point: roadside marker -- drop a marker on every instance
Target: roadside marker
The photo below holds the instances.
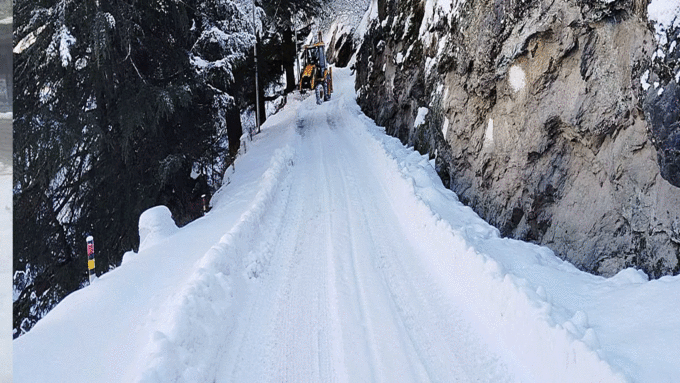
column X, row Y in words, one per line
column 90, row 258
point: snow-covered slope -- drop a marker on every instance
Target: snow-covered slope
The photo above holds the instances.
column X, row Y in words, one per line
column 334, row 253
column 5, row 248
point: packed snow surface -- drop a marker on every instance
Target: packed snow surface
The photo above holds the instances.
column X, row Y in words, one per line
column 5, row 271
column 334, row 253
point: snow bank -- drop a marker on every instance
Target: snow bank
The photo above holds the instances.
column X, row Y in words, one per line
column 155, row 224
column 543, row 347
column 184, row 347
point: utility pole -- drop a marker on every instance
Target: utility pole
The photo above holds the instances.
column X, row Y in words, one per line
column 297, row 56
column 257, row 85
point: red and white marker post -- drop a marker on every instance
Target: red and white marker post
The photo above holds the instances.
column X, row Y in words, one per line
column 90, row 258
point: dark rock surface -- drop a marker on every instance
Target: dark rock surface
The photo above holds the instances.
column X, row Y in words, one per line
column 341, row 47
column 537, row 120
column 662, row 104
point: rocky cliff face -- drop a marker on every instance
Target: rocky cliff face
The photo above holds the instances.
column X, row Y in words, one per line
column 539, row 118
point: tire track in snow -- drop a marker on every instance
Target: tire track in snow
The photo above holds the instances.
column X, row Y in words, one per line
column 393, row 355
column 358, row 292
column 345, row 297
column 289, row 331
column 442, row 338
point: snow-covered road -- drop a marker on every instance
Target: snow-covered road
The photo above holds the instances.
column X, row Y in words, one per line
column 344, row 297
column 334, row 253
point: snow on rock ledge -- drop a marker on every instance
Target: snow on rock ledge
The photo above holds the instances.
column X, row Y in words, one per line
column 575, row 165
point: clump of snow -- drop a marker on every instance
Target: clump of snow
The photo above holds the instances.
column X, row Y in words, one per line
column 81, row 63
column 155, row 224
column 370, row 15
column 488, row 134
column 420, row 117
column 435, row 11
column 445, row 126
column 65, row 42
column 110, row 19
column 643, row 80
column 407, row 25
column 28, row 40
column 517, row 78
column 429, row 65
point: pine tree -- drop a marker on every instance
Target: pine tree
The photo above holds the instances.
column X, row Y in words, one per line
column 283, row 17
column 110, row 118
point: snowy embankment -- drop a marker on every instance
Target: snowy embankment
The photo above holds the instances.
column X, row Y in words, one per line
column 5, row 273
column 333, row 252
column 5, row 247
column 157, row 316
column 558, row 323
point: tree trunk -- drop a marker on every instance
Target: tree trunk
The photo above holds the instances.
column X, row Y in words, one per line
column 234, row 129
column 288, row 51
column 263, row 112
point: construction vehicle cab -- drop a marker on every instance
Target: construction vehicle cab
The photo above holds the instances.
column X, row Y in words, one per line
column 317, row 75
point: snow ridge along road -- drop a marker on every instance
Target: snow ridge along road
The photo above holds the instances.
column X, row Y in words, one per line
column 334, row 254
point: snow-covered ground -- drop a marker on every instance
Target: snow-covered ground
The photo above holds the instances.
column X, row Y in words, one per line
column 334, row 253
column 5, row 250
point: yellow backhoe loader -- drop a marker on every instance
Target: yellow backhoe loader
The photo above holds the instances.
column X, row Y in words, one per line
column 317, row 74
